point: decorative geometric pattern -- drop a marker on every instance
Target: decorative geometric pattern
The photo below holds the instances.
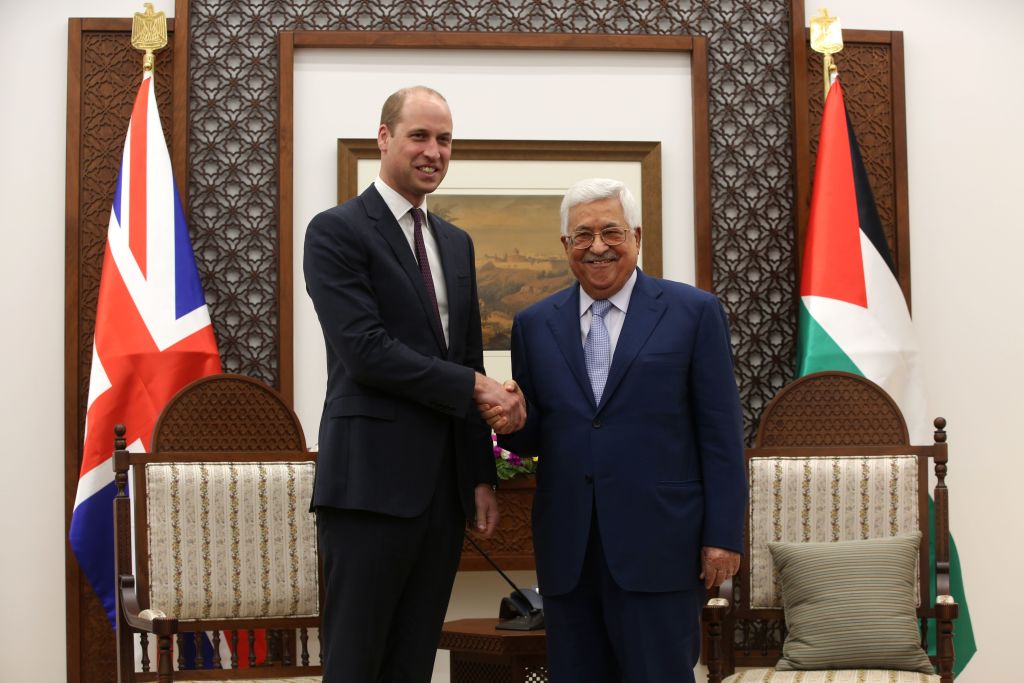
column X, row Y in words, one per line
column 225, row 413
column 233, row 147
column 837, row 410
column 231, row 540
column 535, row 674
column 511, row 546
column 468, row 671
column 492, row 644
column 763, row 636
column 488, row 672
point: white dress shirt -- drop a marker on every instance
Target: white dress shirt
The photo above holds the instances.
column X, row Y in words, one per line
column 615, row 316
column 401, row 208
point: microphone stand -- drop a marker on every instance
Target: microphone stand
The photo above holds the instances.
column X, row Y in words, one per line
column 522, row 610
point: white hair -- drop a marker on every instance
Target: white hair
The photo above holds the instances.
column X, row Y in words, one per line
column 596, row 189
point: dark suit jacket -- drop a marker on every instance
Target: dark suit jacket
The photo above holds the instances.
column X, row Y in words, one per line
column 394, row 402
column 661, row 458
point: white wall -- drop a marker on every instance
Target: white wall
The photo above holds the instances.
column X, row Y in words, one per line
column 32, row 126
column 967, row 233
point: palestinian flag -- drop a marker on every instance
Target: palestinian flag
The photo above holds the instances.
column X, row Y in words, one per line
column 853, row 316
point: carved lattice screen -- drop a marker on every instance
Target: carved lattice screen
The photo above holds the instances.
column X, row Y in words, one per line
column 233, row 127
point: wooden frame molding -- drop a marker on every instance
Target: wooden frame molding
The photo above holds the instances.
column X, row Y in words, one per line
column 289, row 41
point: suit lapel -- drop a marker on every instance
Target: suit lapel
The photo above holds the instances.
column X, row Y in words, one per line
column 384, row 221
column 645, row 310
column 565, row 327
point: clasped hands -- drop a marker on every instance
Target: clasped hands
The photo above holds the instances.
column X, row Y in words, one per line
column 502, row 406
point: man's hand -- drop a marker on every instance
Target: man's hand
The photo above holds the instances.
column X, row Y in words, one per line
column 486, row 510
column 717, row 565
column 503, row 407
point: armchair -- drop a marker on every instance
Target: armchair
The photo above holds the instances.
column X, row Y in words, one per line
column 223, row 541
column 834, row 585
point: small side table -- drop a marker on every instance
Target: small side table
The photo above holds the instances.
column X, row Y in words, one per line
column 482, row 654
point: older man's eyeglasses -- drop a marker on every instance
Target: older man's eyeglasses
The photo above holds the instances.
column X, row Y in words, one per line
column 612, row 237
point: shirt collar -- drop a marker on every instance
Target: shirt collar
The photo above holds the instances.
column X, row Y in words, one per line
column 619, row 299
column 398, row 204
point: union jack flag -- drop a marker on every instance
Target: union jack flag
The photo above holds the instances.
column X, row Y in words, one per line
column 153, row 334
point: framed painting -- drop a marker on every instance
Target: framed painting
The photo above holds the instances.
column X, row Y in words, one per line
column 507, row 194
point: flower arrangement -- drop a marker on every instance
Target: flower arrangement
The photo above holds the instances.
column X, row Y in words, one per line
column 510, row 465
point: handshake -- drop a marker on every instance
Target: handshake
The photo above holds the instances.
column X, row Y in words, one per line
column 502, row 406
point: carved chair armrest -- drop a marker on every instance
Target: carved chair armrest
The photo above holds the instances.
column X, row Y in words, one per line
column 946, row 607
column 149, row 620
column 718, row 634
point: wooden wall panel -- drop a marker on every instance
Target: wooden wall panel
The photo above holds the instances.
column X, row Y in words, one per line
column 104, row 72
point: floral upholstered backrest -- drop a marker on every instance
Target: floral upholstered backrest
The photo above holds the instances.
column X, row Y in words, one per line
column 825, row 499
column 231, row 540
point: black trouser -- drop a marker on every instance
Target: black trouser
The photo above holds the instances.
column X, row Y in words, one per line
column 387, row 581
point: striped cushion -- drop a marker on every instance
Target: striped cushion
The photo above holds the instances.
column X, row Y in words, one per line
column 840, row 676
column 819, row 499
column 851, row 604
column 231, row 540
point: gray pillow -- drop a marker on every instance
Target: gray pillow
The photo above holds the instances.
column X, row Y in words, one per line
column 851, row 604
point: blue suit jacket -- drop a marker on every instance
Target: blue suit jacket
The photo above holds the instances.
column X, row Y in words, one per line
column 396, row 400
column 660, row 459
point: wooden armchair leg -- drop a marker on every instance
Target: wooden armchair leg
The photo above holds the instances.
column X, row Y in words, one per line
column 716, row 622
column 164, row 664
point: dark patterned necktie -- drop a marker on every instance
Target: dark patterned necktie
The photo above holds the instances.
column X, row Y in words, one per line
column 421, row 256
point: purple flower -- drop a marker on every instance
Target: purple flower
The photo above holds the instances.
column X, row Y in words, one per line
column 510, row 465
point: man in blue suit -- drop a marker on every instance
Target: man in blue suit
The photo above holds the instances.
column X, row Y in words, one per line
column 633, row 409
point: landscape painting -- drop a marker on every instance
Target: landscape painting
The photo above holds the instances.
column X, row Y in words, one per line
column 519, row 257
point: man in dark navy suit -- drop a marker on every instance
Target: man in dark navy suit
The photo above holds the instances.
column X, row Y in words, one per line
column 405, row 458
column 634, row 412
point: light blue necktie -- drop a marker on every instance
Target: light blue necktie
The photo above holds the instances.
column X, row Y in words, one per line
column 597, row 351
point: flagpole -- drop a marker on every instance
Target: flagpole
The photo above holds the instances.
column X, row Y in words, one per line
column 149, row 33
column 827, row 38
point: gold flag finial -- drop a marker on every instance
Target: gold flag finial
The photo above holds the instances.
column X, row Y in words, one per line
column 826, row 38
column 149, row 33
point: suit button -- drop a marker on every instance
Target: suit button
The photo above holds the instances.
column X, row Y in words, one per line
column 589, row 478
column 596, row 424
